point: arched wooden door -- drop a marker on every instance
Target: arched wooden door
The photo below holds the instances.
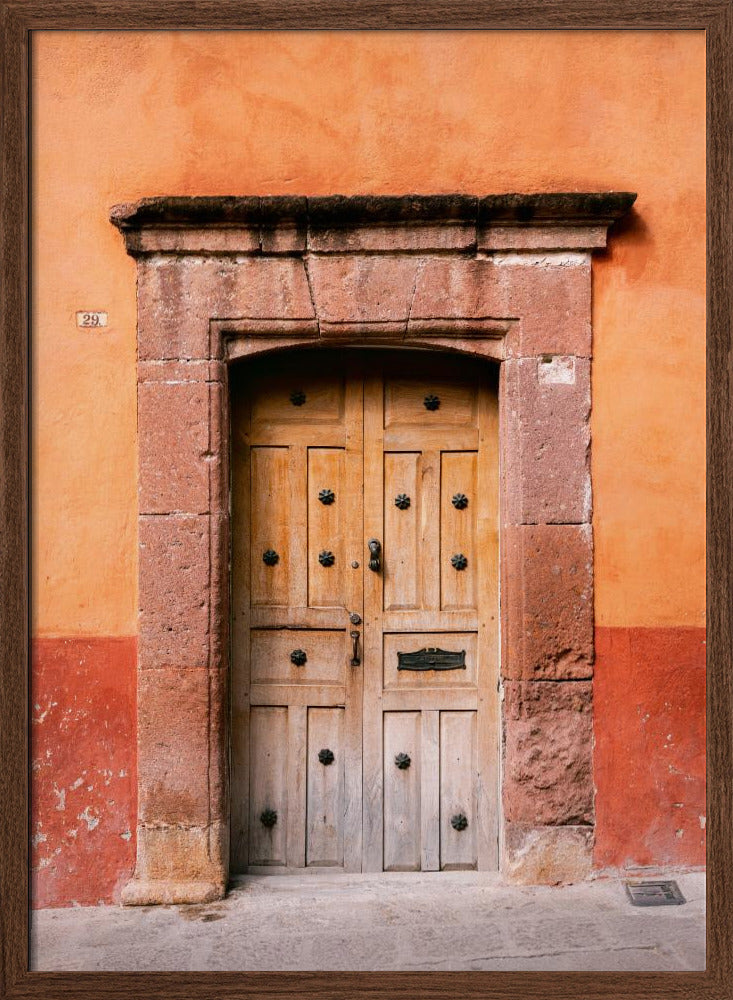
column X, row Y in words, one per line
column 365, row 612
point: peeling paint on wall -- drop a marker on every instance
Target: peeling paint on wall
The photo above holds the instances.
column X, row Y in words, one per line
column 649, row 761
column 83, row 756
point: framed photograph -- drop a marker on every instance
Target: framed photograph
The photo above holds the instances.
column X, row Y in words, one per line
column 366, row 491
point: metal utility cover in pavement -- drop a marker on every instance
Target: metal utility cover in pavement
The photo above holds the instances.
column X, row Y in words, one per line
column 654, row 894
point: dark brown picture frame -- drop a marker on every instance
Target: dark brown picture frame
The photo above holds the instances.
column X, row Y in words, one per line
column 19, row 19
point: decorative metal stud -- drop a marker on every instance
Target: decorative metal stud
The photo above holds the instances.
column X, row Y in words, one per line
column 326, row 558
column 297, row 397
column 298, row 657
column 402, row 760
column 270, row 557
column 268, row 818
column 459, row 561
column 459, row 822
column 402, row 501
column 460, row 501
column 431, row 402
column 327, row 497
column 326, row 757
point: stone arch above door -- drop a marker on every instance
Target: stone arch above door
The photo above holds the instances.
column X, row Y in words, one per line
column 504, row 276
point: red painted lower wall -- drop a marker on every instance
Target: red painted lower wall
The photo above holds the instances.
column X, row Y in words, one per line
column 649, row 720
column 83, row 752
column 649, row 760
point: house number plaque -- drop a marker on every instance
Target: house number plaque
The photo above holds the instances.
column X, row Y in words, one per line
column 432, row 659
column 90, row 318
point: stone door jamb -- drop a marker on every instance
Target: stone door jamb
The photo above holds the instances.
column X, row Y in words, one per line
column 505, row 277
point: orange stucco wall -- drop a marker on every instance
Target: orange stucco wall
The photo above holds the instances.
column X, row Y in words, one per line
column 119, row 116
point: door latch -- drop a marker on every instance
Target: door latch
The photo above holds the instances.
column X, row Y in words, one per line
column 355, row 661
column 375, row 551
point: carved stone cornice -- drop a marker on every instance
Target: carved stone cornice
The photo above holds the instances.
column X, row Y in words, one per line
column 290, row 224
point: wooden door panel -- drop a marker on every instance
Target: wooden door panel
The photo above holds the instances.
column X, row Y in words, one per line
column 402, row 827
column 327, row 544
column 402, row 438
column 430, row 553
column 458, row 530
column 430, row 620
column 408, row 642
column 270, row 519
column 402, row 539
column 433, row 699
column 268, row 787
column 325, row 802
column 298, row 657
column 305, row 392
column 428, row 567
column 410, row 401
column 430, row 792
column 458, row 764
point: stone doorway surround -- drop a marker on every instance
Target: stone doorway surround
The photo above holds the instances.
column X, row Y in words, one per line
column 504, row 277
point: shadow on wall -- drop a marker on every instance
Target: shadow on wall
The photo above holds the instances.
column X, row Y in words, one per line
column 629, row 248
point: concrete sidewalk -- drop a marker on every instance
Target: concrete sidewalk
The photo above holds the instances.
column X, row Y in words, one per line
column 423, row 921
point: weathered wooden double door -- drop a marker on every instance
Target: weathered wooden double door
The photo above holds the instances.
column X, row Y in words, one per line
column 365, row 613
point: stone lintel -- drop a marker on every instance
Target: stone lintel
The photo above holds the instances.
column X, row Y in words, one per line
column 368, row 223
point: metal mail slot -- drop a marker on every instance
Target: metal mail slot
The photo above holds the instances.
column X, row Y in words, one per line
column 432, row 659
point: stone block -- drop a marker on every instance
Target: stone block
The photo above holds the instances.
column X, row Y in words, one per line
column 265, row 288
column 548, row 611
column 283, row 224
column 547, row 237
column 455, row 236
column 352, row 330
column 546, row 449
column 548, row 758
column 550, row 293
column 175, row 297
column 181, row 448
column 424, row 336
column 182, row 591
column 550, row 855
column 170, row 892
column 178, row 296
column 181, row 371
column 182, row 854
column 462, row 288
column 193, row 240
column 180, row 772
column 246, row 345
column 363, row 290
